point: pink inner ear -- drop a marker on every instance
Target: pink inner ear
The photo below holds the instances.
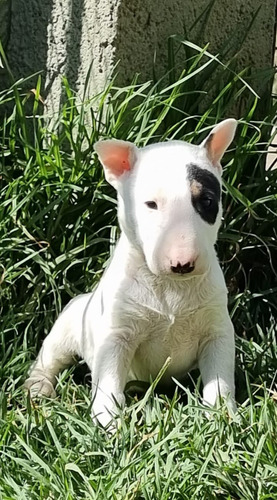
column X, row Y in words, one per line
column 219, row 142
column 219, row 139
column 118, row 163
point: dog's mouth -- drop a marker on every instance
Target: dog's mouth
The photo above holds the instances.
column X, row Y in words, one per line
column 178, row 270
column 181, row 275
column 186, row 276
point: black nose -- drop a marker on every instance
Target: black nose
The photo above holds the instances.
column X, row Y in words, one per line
column 183, row 268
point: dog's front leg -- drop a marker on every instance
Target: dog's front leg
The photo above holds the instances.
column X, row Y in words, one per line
column 111, row 365
column 217, row 366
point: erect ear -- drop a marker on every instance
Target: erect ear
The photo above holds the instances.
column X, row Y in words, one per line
column 117, row 158
column 219, row 139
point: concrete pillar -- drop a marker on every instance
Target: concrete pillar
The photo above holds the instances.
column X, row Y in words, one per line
column 64, row 37
column 5, row 21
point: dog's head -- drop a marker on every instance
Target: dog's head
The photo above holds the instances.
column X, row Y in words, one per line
column 169, row 198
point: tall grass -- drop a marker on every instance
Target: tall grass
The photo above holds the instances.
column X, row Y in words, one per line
column 58, row 227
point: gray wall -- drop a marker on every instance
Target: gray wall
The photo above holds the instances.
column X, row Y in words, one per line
column 63, row 37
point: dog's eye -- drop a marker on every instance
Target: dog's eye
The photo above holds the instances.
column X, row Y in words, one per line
column 206, row 201
column 151, row 204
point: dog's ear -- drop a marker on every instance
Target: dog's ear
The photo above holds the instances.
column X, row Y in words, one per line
column 117, row 158
column 219, row 139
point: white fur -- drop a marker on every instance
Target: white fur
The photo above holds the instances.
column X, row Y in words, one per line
column 142, row 313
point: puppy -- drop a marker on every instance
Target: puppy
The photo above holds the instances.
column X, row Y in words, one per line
column 163, row 293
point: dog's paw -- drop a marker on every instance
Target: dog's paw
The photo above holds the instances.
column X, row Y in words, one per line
column 105, row 420
column 41, row 387
column 221, row 402
column 105, row 410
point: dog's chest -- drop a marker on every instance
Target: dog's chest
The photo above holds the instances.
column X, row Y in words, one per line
column 170, row 320
column 167, row 303
column 165, row 336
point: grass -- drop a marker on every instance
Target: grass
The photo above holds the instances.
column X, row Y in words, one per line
column 164, row 450
column 58, row 226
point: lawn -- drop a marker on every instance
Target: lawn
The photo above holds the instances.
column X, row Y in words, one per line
column 58, row 227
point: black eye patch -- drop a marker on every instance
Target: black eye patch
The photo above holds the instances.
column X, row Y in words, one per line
column 205, row 192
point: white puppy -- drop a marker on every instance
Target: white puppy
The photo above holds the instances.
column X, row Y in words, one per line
column 163, row 294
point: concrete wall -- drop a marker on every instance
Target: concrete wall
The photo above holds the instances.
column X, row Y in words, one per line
column 63, row 37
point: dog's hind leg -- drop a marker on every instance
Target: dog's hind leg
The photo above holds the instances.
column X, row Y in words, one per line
column 58, row 349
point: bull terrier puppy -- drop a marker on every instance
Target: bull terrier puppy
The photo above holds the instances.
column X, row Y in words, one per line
column 163, row 293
